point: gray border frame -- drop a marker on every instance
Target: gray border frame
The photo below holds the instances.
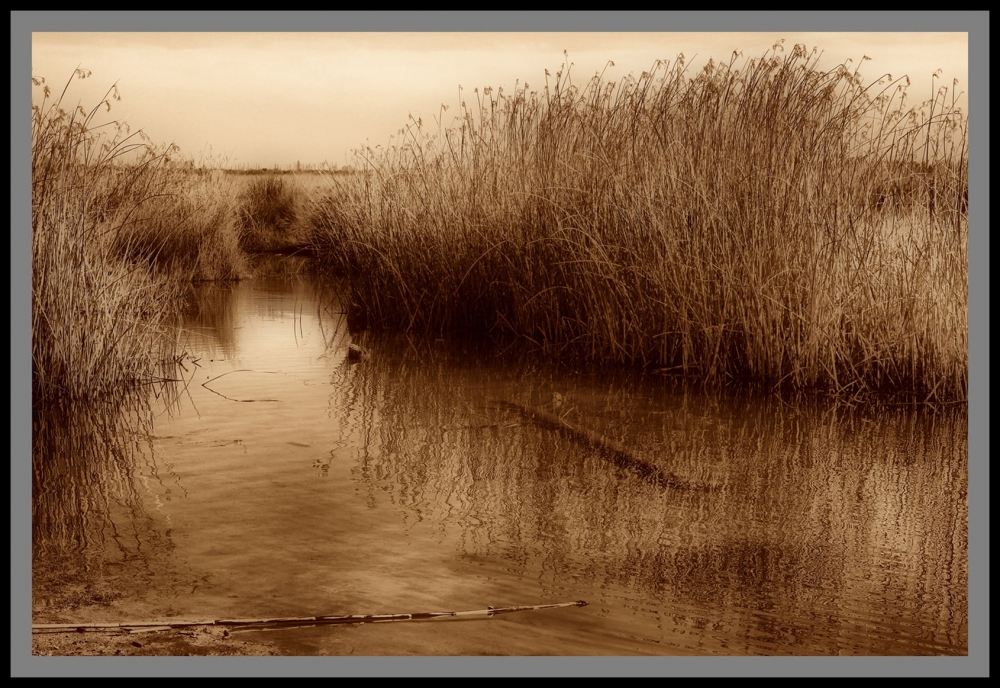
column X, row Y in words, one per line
column 976, row 24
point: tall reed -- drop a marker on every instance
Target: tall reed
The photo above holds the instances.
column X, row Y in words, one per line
column 769, row 221
column 188, row 229
column 95, row 310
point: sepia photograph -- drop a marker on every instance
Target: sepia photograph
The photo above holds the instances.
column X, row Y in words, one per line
column 498, row 343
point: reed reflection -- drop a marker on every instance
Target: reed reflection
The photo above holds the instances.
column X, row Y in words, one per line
column 227, row 320
column 100, row 511
column 210, row 319
column 805, row 528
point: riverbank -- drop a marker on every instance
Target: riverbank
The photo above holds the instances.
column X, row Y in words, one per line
column 200, row 641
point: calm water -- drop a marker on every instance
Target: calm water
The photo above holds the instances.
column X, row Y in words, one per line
column 285, row 480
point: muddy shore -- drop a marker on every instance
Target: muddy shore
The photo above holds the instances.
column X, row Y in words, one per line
column 197, row 641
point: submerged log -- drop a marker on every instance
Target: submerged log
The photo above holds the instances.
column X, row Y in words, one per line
column 610, row 449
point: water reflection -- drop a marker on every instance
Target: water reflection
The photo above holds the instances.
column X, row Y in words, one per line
column 211, row 318
column 229, row 321
column 101, row 525
column 823, row 528
column 433, row 475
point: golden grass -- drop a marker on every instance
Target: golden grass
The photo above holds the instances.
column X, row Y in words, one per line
column 189, row 230
column 116, row 227
column 768, row 222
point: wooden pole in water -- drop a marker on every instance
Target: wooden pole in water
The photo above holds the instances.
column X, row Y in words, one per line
column 290, row 622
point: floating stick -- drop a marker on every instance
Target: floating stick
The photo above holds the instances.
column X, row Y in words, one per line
column 290, row 622
column 241, row 370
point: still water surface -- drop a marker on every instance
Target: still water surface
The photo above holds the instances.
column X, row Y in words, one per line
column 287, row 480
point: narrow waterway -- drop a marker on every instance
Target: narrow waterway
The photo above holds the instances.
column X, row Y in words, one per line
column 284, row 478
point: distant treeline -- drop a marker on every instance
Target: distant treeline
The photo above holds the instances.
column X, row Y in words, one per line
column 297, row 168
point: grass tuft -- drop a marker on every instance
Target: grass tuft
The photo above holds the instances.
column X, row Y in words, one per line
column 266, row 214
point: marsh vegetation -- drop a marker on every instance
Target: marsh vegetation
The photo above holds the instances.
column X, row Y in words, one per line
column 551, row 295
column 761, row 221
column 119, row 227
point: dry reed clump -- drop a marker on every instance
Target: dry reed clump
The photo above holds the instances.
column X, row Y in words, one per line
column 770, row 222
column 267, row 214
column 96, row 309
column 190, row 232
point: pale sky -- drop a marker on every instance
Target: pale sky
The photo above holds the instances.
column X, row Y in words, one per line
column 267, row 98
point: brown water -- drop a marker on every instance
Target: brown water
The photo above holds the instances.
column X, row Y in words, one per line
column 286, row 480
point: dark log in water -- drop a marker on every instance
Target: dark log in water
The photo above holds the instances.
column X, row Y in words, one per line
column 618, row 454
